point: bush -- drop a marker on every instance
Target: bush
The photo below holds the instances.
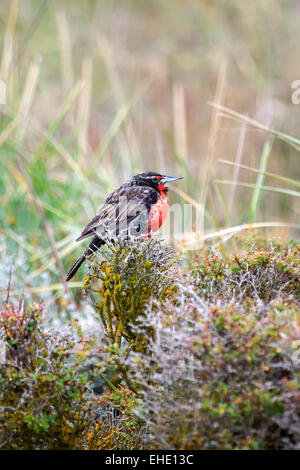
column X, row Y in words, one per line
column 221, row 378
column 261, row 270
column 46, row 390
column 201, row 355
column 218, row 370
column 120, row 288
column 43, row 401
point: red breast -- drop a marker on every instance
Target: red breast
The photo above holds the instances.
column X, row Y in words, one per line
column 159, row 211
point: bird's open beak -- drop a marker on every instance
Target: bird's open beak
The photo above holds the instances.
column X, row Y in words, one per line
column 169, row 179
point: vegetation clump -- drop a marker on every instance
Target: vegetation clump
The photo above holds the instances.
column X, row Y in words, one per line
column 43, row 401
column 261, row 270
column 220, row 369
column 46, row 393
column 121, row 287
column 221, row 378
column 202, row 354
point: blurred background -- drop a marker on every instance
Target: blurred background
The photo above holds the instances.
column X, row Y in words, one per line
column 98, row 90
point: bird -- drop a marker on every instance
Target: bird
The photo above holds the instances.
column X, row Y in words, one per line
column 137, row 208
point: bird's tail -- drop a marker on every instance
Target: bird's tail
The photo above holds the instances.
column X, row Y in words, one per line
column 92, row 247
column 75, row 267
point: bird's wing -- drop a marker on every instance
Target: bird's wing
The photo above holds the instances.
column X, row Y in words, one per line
column 125, row 209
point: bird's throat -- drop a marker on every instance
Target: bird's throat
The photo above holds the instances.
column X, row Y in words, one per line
column 161, row 187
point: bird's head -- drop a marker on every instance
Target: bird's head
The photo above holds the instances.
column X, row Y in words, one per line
column 155, row 180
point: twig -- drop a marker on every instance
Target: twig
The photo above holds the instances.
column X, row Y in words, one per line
column 8, row 286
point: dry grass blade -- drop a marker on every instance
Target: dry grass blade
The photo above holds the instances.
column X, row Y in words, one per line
column 185, row 196
column 7, row 55
column 22, row 243
column 288, row 192
column 50, row 261
column 41, row 289
column 60, row 149
column 59, row 245
column 63, row 111
column 84, row 109
column 190, row 200
column 283, row 179
column 239, row 228
column 129, row 139
column 27, row 97
column 179, row 120
column 236, row 229
column 9, row 129
column 23, row 183
column 229, row 113
column 223, row 203
column 213, row 132
column 115, row 127
column 109, row 136
column 65, row 51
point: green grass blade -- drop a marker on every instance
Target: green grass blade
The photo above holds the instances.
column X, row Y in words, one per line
column 226, row 213
column 260, row 179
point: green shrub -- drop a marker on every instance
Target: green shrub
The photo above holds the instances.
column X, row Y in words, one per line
column 220, row 378
column 46, row 390
column 260, row 270
column 43, row 398
column 121, row 287
column 218, row 370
